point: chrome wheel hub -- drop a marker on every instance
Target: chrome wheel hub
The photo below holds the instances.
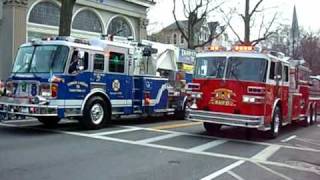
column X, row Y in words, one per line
column 309, row 119
column 314, row 117
column 97, row 114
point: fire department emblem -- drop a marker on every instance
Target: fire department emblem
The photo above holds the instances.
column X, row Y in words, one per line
column 116, row 85
column 223, row 97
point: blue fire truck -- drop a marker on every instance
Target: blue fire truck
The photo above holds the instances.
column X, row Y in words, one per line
column 93, row 81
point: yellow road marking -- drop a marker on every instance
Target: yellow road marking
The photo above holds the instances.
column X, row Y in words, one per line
column 172, row 126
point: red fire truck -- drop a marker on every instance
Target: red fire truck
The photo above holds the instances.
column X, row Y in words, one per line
column 248, row 89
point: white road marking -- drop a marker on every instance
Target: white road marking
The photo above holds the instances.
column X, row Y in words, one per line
column 236, row 176
column 318, row 125
column 266, row 153
column 132, row 128
column 274, row 172
column 308, row 141
column 210, row 154
column 223, row 170
column 116, row 132
column 21, row 120
column 208, row 145
column 311, row 140
column 288, row 139
column 32, row 120
column 159, row 138
column 15, row 125
column 232, row 140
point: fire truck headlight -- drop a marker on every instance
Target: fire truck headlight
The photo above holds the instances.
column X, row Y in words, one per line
column 45, row 94
column 196, row 95
column 253, row 99
column 40, row 100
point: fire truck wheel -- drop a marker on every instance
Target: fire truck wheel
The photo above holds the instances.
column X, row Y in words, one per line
column 309, row 119
column 95, row 113
column 181, row 114
column 276, row 124
column 211, row 127
column 315, row 115
column 49, row 121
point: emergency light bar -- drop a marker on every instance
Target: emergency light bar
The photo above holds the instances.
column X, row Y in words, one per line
column 243, row 48
column 215, row 48
column 66, row 38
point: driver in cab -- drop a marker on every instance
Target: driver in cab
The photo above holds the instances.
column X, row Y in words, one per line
column 75, row 62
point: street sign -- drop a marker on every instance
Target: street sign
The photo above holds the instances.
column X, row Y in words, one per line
column 186, row 56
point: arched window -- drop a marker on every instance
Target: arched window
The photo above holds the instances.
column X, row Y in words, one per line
column 181, row 39
column 47, row 13
column 174, row 38
column 87, row 20
column 119, row 26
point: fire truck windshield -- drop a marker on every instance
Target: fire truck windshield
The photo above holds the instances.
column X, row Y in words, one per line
column 238, row 68
column 247, row 69
column 210, row 67
column 41, row 59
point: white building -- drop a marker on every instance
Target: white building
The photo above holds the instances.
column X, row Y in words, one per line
column 23, row 20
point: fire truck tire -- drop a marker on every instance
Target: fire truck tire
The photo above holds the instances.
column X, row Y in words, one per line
column 181, row 114
column 95, row 113
column 275, row 124
column 211, row 127
column 49, row 121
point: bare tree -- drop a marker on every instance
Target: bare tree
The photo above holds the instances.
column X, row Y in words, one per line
column 66, row 17
column 196, row 15
column 280, row 40
column 249, row 21
column 310, row 51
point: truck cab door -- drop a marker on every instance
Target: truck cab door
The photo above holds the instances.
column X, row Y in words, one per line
column 279, row 79
column 98, row 76
column 119, row 81
column 77, row 83
column 285, row 94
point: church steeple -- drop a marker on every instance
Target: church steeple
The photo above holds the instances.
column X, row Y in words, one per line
column 294, row 33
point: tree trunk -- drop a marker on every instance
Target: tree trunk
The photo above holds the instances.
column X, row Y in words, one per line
column 246, row 20
column 66, row 17
column 190, row 33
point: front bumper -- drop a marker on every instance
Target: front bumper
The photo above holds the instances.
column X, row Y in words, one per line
column 228, row 119
column 22, row 106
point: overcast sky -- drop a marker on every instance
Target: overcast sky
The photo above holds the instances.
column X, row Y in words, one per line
column 308, row 13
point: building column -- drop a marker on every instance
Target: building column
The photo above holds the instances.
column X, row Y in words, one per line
column 143, row 28
column 13, row 29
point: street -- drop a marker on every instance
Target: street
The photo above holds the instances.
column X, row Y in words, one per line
column 155, row 149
